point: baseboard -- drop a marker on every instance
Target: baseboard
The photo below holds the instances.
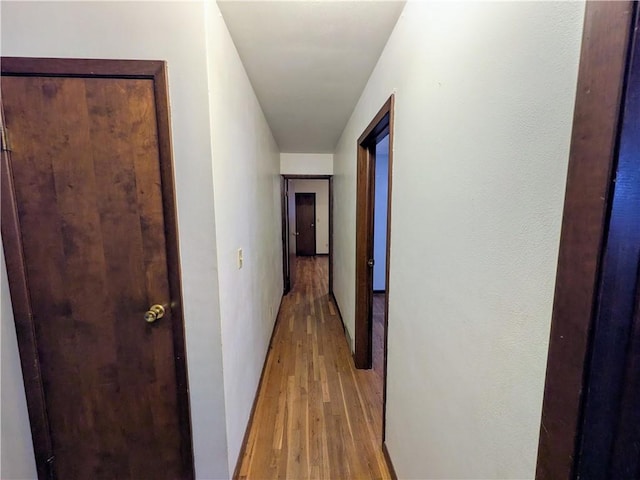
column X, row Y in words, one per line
column 245, row 439
column 344, row 328
column 387, row 457
column 379, row 291
column 322, row 254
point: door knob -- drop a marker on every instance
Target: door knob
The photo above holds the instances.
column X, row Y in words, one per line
column 154, row 313
column 370, row 262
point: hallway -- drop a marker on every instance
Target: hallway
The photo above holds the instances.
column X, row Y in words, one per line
column 488, row 107
column 316, row 416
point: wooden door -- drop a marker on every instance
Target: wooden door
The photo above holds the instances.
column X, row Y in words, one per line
column 305, row 224
column 89, row 231
column 291, row 252
column 288, row 237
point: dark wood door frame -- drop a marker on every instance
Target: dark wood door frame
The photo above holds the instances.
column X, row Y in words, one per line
column 284, row 204
column 18, row 281
column 286, row 228
column 610, row 424
column 378, row 128
column 300, row 195
column 592, row 162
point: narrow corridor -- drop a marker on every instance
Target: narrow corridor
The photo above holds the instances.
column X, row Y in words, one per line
column 316, row 416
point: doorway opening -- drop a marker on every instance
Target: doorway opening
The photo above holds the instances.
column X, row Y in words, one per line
column 373, row 237
column 380, row 232
column 307, row 227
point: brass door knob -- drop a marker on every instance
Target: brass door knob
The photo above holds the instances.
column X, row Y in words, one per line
column 154, row 313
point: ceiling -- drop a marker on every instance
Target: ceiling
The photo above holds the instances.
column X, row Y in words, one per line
column 308, row 62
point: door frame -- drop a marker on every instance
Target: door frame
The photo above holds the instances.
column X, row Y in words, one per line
column 16, row 272
column 592, row 160
column 380, row 125
column 286, row 228
column 315, row 236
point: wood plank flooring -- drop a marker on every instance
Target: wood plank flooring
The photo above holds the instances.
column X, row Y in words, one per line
column 316, row 415
column 378, row 336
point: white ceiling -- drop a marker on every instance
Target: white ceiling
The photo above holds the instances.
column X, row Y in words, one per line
column 309, row 61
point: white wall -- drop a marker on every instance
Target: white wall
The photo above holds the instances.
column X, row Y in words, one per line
column 16, row 449
column 484, row 102
column 172, row 31
column 306, row 163
column 321, row 189
column 246, row 177
column 380, row 215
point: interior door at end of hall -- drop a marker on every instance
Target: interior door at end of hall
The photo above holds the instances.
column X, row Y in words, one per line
column 85, row 170
column 291, row 231
column 305, row 224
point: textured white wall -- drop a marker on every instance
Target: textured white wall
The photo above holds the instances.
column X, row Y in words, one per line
column 172, row 31
column 321, row 189
column 246, row 177
column 306, row 163
column 484, row 103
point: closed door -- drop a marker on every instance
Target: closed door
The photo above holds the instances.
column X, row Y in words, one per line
column 305, row 223
column 90, row 173
column 289, row 235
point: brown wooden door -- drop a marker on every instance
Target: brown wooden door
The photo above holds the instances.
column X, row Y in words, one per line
column 291, row 235
column 92, row 183
column 305, row 223
column 288, row 237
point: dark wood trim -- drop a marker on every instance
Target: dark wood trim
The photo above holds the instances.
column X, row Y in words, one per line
column 23, row 318
column 376, row 128
column 285, row 222
column 387, row 457
column 603, row 60
column 167, row 178
column 380, row 126
column 307, row 177
column 331, row 235
column 377, row 292
column 284, row 191
column 72, row 67
column 156, row 71
column 388, row 261
column 604, row 411
column 245, row 439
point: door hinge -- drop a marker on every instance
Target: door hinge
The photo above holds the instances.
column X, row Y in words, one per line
column 4, row 138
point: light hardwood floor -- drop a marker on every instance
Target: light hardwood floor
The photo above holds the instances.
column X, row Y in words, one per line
column 377, row 341
column 316, row 415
